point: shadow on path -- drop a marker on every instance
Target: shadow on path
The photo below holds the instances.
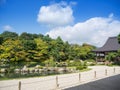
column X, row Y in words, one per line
column 109, row 83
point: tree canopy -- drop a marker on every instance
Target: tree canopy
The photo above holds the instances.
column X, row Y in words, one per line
column 28, row 47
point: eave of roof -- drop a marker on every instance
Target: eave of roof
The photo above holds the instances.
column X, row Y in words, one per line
column 110, row 45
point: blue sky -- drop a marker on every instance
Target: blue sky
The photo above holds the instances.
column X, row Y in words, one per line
column 55, row 17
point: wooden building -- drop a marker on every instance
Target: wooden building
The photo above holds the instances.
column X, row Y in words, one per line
column 111, row 45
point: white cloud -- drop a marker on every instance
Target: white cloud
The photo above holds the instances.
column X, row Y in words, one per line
column 94, row 31
column 7, row 28
column 57, row 14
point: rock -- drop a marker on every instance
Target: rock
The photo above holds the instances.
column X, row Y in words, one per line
column 36, row 70
column 37, row 66
column 3, row 70
column 24, row 68
column 17, row 70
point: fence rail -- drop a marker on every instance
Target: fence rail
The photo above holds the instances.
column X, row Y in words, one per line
column 57, row 82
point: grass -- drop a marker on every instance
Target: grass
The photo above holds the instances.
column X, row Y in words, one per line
column 87, row 69
column 100, row 65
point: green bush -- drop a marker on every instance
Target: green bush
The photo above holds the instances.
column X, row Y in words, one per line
column 79, row 68
column 50, row 63
column 81, row 65
column 73, row 63
column 90, row 62
column 40, row 67
column 32, row 64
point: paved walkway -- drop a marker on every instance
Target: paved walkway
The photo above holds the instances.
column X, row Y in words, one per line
column 64, row 81
column 109, row 83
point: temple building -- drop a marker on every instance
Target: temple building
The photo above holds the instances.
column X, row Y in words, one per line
column 111, row 45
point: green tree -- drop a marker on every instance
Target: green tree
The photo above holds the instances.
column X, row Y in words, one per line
column 11, row 53
column 9, row 35
column 29, row 45
column 1, row 40
column 111, row 56
column 46, row 38
column 41, row 50
column 28, row 36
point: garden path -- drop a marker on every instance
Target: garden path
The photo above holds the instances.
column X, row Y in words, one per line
column 64, row 81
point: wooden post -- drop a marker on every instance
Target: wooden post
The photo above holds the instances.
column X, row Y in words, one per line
column 114, row 70
column 94, row 74
column 79, row 77
column 57, row 85
column 19, row 85
column 105, row 72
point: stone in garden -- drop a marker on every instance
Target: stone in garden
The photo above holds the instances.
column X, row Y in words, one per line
column 17, row 70
column 37, row 66
column 3, row 70
column 25, row 67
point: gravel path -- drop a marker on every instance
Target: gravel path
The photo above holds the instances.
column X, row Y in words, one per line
column 64, row 81
column 109, row 83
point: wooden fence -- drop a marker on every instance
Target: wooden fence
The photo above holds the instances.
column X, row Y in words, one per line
column 60, row 81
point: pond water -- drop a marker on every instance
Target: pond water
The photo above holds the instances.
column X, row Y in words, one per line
column 33, row 73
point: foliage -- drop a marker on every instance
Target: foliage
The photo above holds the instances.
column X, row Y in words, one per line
column 25, row 48
column 50, row 62
column 9, row 35
column 1, row 40
column 111, row 56
column 81, row 66
column 90, row 62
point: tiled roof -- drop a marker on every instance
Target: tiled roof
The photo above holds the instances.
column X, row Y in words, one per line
column 110, row 45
